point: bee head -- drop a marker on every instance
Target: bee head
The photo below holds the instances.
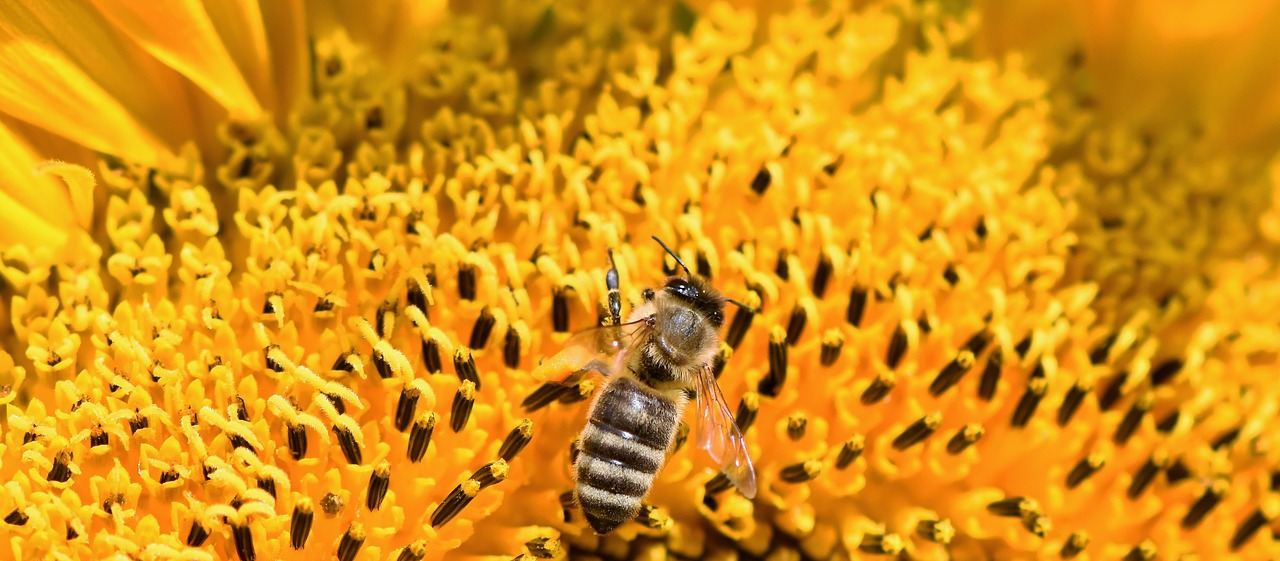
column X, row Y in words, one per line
column 699, row 294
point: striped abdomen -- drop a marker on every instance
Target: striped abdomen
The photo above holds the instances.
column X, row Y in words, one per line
column 622, row 448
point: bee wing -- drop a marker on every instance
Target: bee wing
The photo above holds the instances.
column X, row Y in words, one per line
column 718, row 434
column 601, row 349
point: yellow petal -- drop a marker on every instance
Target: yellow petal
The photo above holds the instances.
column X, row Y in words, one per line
column 289, row 52
column 80, row 184
column 244, row 35
column 33, row 209
column 180, row 34
column 65, row 66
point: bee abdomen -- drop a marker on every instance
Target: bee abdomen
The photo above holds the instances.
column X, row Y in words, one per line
column 610, row 475
column 622, row 448
column 605, row 510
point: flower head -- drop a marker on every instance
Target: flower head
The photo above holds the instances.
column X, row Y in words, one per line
column 979, row 318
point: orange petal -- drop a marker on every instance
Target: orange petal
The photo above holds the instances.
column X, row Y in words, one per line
column 180, row 34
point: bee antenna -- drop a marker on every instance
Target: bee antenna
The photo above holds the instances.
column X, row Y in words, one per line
column 674, row 256
column 739, row 304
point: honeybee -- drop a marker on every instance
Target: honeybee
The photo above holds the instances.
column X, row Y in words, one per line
column 663, row 351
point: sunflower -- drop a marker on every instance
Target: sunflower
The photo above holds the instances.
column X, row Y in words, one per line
column 278, row 278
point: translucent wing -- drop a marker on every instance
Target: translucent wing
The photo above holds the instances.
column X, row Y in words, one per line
column 600, row 349
column 718, row 434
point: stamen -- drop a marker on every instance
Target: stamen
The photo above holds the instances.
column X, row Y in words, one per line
column 168, row 475
column 406, row 407
column 1169, row 422
column 1071, row 403
column 458, row 499
column 137, row 423
column 1146, row 474
column 771, row 385
column 579, row 392
column 350, row 448
column 297, row 440
column 936, row 531
column 1133, row 418
column 781, row 267
column 897, row 347
column 567, row 504
column 760, row 183
column 747, row 410
column 1026, row 408
column 1074, row 545
column 460, row 413
column 466, row 282
column 718, row 484
column 1084, row 469
column 1145, row 551
column 858, row 298
column 338, row 405
column 653, row 518
column 464, row 364
column 482, row 328
column 511, row 349
column 543, row 548
column 543, row 396
column 918, row 431
column 61, row 470
column 1212, row 495
column 964, row 438
column 516, row 440
column 991, row 375
column 379, row 481
column 385, row 319
column 1165, row 371
column 1227, row 438
column 271, row 363
column 796, row 426
column 1023, row 346
column 952, row 373
column 741, row 323
column 832, row 343
column 951, row 275
column 882, row 544
column 195, row 536
column 1037, row 524
column 420, row 436
column 266, row 483
column 801, row 472
column 416, row 551
column 879, row 388
column 1114, row 390
column 1014, row 507
column 1246, row 530
column 351, row 542
column 331, row 504
column 345, row 362
column 243, row 538
column 850, row 451
column 721, row 359
column 682, row 436
column 1099, row 353
column 560, row 309
column 381, row 365
column 431, row 356
column 98, row 437
column 795, row 326
column 1177, row 471
column 822, row 275
column 16, row 518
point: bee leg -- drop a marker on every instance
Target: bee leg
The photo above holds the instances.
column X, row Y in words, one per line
column 615, row 298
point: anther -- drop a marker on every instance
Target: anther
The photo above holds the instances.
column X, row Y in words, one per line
column 1169, row 422
column 168, row 476
column 832, row 343
column 195, row 536
column 760, row 183
column 1226, row 438
column 379, row 481
column 482, row 328
column 350, row 448
column 1030, row 400
column 1114, row 391
column 1084, row 469
column 271, row 364
column 718, row 484
column 431, row 356
column 801, row 472
column 16, row 518
column 850, row 451
column 822, row 275
column 795, row 325
column 238, row 441
column 857, row 305
column 721, row 360
column 951, row 275
column 1038, row 524
column 882, row 544
column 1023, row 347
column 653, row 517
column 1145, row 475
column 381, row 365
column 458, row 499
column 1145, row 551
column 738, row 327
column 682, row 436
column 543, row 548
column 1014, row 507
column 416, row 551
column 1165, row 371
column 897, row 347
column 331, row 504
column 1129, row 425
column 139, row 422
column 344, row 363
column 544, row 395
column 338, row 404
column 464, row 364
column 936, row 531
column 1071, row 402
column 467, row 282
column 420, row 436
column 511, row 349
column 781, row 267
column 1074, row 545
column 243, row 538
column 1099, row 353
column 351, row 542
column 1247, row 528
column 385, row 320
column 1212, row 495
column 406, row 407
column 952, row 373
column 460, row 413
column 297, row 440
column 560, row 309
column 579, row 392
column 61, row 470
column 1176, row 472
column 879, row 388
column 98, row 437
column 964, row 438
column 991, row 375
column 747, row 410
column 771, row 385
column 266, row 483
column 796, row 426
column 917, row 431
column 567, row 503
column 417, row 296
column 516, row 440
